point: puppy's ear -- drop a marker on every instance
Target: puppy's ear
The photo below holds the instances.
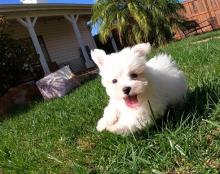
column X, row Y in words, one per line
column 98, row 57
column 142, row 49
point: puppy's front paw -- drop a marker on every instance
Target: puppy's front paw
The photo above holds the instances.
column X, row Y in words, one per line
column 102, row 124
column 120, row 129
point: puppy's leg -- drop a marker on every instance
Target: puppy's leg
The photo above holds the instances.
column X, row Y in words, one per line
column 120, row 128
column 110, row 117
column 125, row 126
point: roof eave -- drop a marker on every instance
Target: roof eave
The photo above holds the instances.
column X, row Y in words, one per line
column 22, row 10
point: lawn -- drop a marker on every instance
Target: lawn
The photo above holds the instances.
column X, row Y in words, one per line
column 60, row 136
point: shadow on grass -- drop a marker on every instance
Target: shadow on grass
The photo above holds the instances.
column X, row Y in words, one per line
column 21, row 109
column 199, row 104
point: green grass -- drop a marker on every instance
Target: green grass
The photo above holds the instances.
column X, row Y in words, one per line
column 60, row 136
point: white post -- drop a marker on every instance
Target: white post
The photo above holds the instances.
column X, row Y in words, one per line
column 113, row 42
column 72, row 20
column 29, row 25
column 89, row 26
column 93, row 40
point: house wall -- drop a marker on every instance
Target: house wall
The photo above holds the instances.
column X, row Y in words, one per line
column 201, row 10
column 59, row 39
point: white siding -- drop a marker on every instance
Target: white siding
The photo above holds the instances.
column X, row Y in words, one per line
column 60, row 39
column 84, row 30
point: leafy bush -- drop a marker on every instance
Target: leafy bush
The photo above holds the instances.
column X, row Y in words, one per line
column 138, row 20
column 16, row 58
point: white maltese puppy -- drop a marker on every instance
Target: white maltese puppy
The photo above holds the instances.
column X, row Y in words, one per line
column 138, row 90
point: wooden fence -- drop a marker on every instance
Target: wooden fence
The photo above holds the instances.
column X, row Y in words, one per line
column 205, row 12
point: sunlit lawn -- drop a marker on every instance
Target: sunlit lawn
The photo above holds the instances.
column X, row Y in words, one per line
column 60, row 136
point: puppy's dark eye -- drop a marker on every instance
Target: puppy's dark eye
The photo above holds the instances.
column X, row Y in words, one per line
column 114, row 81
column 133, row 75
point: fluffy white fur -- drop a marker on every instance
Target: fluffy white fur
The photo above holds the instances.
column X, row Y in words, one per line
column 159, row 83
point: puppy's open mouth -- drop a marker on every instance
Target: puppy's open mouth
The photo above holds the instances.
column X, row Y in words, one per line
column 131, row 101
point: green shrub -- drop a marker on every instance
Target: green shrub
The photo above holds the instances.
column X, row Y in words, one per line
column 16, row 58
column 138, row 21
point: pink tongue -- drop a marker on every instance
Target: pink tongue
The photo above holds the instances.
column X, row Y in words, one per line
column 131, row 101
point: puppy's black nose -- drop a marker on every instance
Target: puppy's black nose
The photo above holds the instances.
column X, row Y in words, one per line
column 126, row 90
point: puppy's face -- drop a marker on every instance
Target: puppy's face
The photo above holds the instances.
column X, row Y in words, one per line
column 124, row 73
